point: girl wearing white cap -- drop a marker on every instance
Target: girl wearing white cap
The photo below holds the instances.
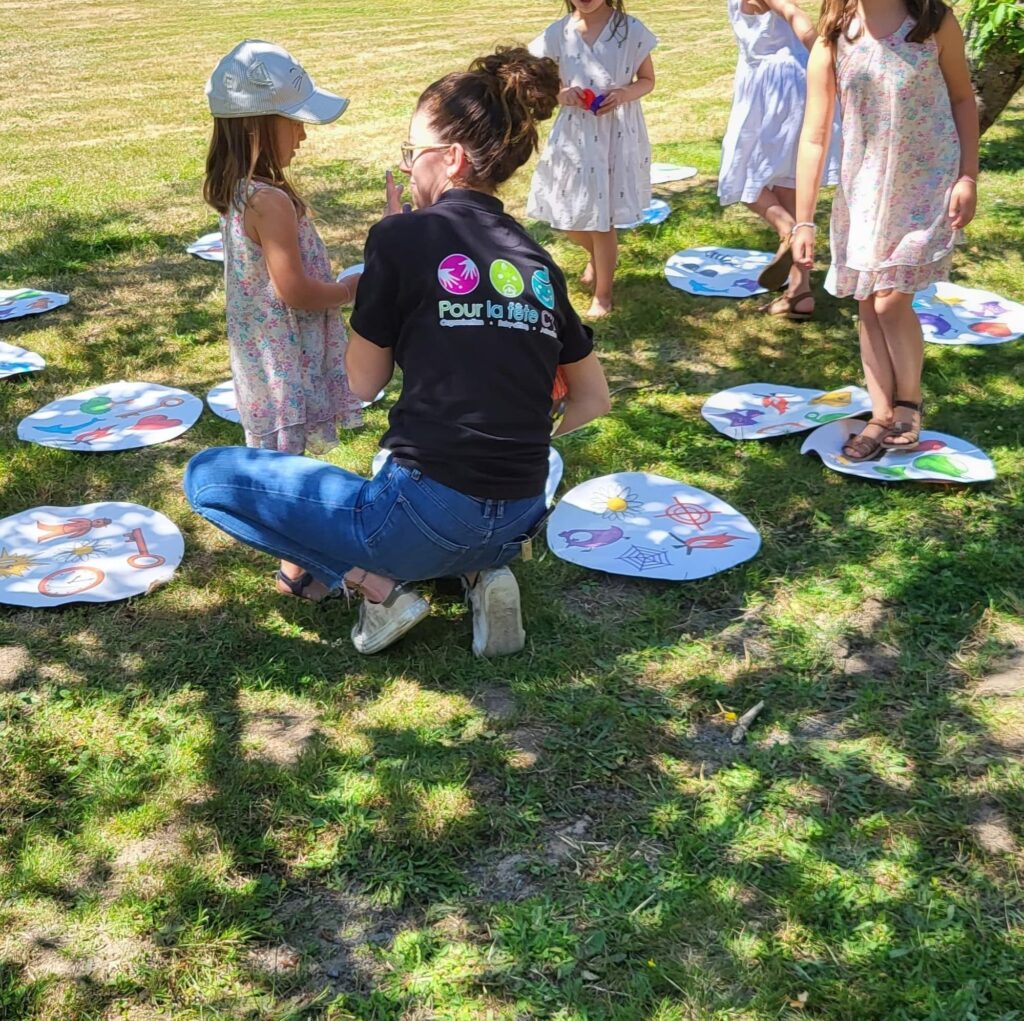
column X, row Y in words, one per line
column 285, row 334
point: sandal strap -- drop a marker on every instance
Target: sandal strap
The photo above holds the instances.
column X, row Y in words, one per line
column 297, row 585
column 919, row 406
column 862, row 443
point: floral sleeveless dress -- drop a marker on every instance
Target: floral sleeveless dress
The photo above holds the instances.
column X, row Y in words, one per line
column 900, row 160
column 288, row 363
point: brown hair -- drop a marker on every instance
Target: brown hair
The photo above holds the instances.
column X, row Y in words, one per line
column 618, row 19
column 492, row 110
column 837, row 16
column 242, row 149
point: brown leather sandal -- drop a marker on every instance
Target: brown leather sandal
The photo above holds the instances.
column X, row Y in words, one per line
column 859, row 447
column 908, row 429
column 786, row 305
column 776, row 273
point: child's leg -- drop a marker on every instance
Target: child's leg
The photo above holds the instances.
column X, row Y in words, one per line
column 771, row 208
column 878, row 373
column 584, row 239
column 799, row 276
column 606, row 258
column 904, row 341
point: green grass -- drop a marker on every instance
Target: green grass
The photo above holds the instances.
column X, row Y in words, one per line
column 210, row 807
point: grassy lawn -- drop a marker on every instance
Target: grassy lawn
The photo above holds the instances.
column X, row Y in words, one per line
column 211, row 807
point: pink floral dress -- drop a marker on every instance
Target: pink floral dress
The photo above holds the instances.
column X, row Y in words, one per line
column 288, row 364
column 900, row 160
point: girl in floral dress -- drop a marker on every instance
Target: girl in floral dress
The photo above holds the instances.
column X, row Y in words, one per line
column 285, row 334
column 908, row 184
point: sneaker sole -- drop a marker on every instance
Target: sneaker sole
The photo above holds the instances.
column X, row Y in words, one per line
column 502, row 633
column 397, row 628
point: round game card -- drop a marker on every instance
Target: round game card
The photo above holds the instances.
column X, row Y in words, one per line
column 648, row 526
column 15, row 360
column 717, row 272
column 663, row 173
column 117, row 416
column 951, row 314
column 556, row 468
column 657, row 212
column 938, row 458
column 98, row 553
column 223, row 403
column 209, row 247
column 351, row 271
column 757, row 411
column 25, row 302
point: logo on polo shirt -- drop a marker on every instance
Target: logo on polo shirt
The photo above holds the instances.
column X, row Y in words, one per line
column 541, row 284
column 458, row 274
column 506, row 279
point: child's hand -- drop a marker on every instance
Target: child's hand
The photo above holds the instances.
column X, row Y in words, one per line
column 612, row 101
column 393, row 193
column 803, row 248
column 963, row 203
column 570, row 96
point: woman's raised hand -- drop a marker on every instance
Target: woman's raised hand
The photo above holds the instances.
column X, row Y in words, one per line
column 393, row 193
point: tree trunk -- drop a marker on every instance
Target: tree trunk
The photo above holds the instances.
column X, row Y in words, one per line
column 997, row 72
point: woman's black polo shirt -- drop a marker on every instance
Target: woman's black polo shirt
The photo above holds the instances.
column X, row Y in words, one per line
column 478, row 318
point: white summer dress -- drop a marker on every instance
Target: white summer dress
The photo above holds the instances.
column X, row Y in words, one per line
column 594, row 171
column 760, row 145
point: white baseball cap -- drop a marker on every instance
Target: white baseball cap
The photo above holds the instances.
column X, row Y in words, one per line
column 258, row 78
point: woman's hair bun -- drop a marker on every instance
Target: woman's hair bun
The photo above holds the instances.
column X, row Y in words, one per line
column 492, row 110
column 533, row 81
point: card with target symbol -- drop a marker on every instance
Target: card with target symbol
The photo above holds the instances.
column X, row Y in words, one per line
column 96, row 553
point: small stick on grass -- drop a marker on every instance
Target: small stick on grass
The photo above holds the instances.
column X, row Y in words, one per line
column 745, row 722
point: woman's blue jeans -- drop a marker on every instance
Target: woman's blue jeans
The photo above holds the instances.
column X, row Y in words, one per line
column 399, row 524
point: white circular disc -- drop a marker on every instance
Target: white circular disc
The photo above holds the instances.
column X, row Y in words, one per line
column 222, row 401
column 663, row 173
column 116, row 416
column 717, row 272
column 15, row 360
column 759, row 411
column 556, row 468
column 351, row 271
column 23, row 301
column 96, row 553
column 209, row 247
column 657, row 212
column 648, row 526
column 951, row 314
column 939, row 458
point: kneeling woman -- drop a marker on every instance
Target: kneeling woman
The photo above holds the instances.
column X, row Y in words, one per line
column 477, row 316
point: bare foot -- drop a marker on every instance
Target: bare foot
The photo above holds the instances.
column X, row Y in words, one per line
column 598, row 309
column 588, row 277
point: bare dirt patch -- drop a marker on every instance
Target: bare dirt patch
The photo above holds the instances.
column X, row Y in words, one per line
column 50, row 954
column 279, row 733
column 992, row 832
column 496, row 702
column 526, row 745
column 333, row 934
column 1007, row 674
column 15, row 662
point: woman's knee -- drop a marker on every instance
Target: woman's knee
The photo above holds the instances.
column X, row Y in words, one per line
column 204, row 470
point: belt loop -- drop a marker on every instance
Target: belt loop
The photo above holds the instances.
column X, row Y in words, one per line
column 500, row 509
column 416, row 474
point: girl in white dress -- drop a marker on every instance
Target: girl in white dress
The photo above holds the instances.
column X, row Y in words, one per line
column 760, row 145
column 596, row 168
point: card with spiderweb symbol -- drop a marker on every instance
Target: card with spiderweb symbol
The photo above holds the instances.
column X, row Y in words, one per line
column 95, row 553
column 649, row 526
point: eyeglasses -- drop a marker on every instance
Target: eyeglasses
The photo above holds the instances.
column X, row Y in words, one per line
column 408, row 149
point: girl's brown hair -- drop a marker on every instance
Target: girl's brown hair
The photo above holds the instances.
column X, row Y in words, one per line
column 492, row 110
column 838, row 15
column 618, row 14
column 242, row 149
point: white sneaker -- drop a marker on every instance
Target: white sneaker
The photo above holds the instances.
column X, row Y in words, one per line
column 381, row 624
column 497, row 618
